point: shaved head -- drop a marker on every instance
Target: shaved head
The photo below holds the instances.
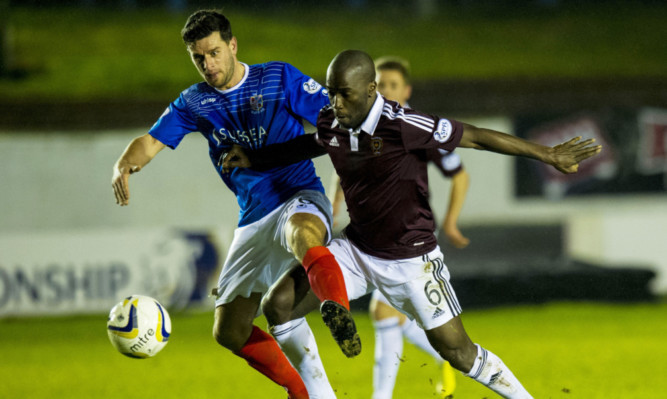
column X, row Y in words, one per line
column 353, row 62
column 352, row 88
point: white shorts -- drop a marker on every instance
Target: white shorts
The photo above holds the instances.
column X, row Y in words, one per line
column 418, row 287
column 377, row 296
column 259, row 254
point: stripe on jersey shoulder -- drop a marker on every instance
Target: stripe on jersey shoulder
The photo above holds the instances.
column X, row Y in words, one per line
column 418, row 121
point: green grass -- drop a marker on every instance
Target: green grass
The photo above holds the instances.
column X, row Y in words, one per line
column 568, row 350
column 73, row 54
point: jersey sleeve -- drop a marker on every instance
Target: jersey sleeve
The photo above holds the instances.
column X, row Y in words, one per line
column 422, row 131
column 174, row 124
column 449, row 163
column 305, row 96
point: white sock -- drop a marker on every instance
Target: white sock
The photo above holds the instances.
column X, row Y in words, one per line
column 413, row 333
column 298, row 343
column 490, row 371
column 388, row 351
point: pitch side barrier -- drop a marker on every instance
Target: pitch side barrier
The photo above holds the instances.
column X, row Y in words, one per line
column 88, row 272
column 525, row 264
column 508, row 265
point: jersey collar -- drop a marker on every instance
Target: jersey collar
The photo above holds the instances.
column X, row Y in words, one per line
column 372, row 119
column 236, row 86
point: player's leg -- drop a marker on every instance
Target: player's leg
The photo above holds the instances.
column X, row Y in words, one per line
column 306, row 236
column 388, row 345
column 233, row 329
column 291, row 298
column 390, row 327
column 285, row 305
column 453, row 343
column 307, row 230
column 254, row 262
column 417, row 336
column 437, row 310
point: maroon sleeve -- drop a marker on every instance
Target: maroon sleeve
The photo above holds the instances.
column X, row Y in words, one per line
column 324, row 120
column 448, row 162
column 423, row 131
column 288, row 152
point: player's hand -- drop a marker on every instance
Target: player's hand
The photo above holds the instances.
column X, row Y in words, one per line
column 234, row 158
column 455, row 237
column 120, row 183
column 566, row 156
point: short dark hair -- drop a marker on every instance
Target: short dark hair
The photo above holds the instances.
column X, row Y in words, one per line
column 392, row 63
column 204, row 22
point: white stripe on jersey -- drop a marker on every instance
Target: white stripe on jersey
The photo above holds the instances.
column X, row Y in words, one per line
column 425, row 119
column 415, row 120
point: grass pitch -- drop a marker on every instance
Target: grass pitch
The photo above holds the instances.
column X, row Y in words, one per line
column 565, row 350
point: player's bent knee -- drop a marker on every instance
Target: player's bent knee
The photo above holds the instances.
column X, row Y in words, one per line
column 231, row 338
column 453, row 344
column 277, row 307
column 461, row 358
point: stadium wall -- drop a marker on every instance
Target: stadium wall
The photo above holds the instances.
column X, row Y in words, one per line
column 60, row 184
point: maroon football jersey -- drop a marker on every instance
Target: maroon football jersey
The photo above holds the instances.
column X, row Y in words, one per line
column 383, row 173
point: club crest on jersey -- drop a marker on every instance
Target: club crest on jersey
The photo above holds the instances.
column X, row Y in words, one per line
column 444, row 131
column 376, row 145
column 311, row 86
column 256, row 103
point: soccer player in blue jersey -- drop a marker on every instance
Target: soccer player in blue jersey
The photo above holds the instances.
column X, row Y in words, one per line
column 284, row 214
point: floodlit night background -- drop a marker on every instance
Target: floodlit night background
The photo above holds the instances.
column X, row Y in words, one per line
column 80, row 79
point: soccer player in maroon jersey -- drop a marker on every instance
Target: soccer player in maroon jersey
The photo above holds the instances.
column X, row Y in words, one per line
column 391, row 326
column 378, row 149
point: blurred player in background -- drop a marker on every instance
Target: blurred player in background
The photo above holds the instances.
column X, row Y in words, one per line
column 393, row 79
column 378, row 149
column 284, row 213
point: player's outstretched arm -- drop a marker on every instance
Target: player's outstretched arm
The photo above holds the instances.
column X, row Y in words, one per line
column 565, row 156
column 138, row 153
column 459, row 189
column 271, row 156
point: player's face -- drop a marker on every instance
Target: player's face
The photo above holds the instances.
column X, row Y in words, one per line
column 215, row 60
column 392, row 86
column 350, row 96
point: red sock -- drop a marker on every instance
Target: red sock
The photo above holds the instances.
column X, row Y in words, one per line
column 264, row 355
column 326, row 279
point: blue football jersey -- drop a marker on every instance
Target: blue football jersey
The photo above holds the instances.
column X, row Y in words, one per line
column 266, row 107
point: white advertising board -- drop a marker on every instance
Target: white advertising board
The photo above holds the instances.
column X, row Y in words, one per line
column 89, row 271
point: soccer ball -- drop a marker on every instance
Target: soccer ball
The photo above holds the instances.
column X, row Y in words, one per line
column 139, row 326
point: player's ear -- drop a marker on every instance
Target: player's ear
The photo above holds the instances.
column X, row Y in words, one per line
column 233, row 45
column 372, row 87
column 408, row 92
